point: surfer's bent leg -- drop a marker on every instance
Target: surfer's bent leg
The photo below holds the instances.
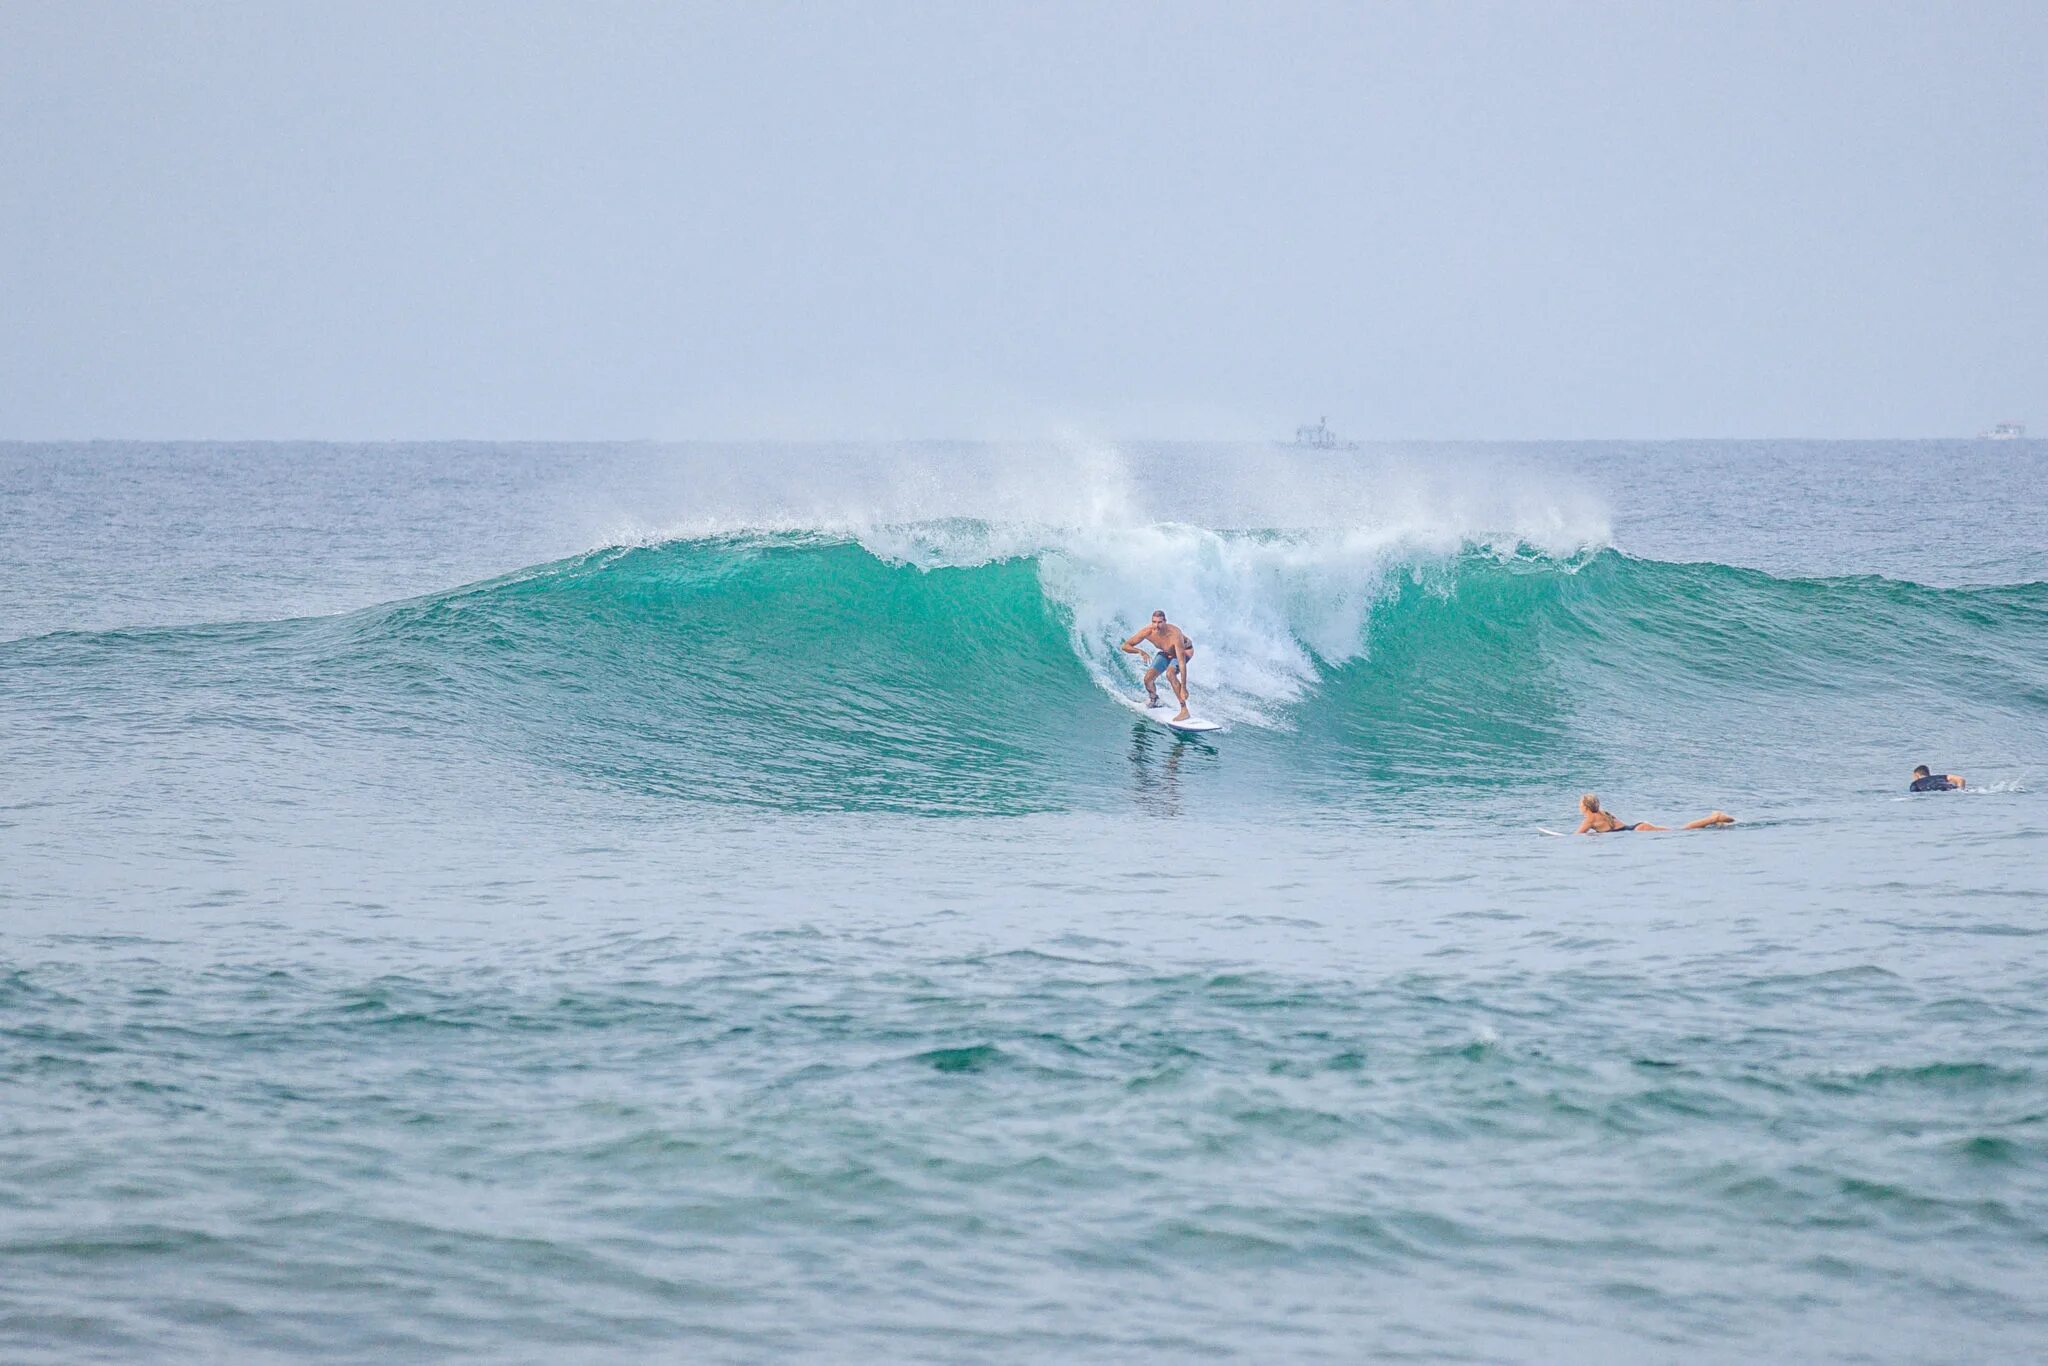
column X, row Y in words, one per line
column 1177, row 675
column 1152, row 669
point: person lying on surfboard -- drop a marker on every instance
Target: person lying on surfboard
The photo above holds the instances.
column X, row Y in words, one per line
column 1594, row 821
column 1923, row 781
column 1176, row 652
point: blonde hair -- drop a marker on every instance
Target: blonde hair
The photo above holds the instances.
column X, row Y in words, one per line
column 1590, row 802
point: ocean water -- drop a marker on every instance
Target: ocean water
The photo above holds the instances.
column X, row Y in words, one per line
column 568, row 903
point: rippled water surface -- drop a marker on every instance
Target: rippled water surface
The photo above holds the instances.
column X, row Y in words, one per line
column 559, row 903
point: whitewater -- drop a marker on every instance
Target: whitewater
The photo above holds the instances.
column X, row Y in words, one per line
column 553, row 902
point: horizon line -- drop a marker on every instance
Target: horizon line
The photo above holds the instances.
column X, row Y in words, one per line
column 1353, row 443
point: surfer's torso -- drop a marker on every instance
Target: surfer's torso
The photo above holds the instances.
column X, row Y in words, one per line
column 1169, row 638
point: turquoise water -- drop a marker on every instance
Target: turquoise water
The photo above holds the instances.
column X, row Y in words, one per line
column 584, row 902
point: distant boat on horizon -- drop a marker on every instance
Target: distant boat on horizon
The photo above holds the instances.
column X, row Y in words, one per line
column 1321, row 438
column 2004, row 431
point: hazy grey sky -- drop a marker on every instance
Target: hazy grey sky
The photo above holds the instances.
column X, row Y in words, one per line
column 878, row 220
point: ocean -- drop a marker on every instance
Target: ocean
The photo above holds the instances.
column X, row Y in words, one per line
column 555, row 902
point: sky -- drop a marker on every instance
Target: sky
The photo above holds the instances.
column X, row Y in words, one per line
column 890, row 221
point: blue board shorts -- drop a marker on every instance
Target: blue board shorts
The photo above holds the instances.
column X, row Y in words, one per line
column 1163, row 662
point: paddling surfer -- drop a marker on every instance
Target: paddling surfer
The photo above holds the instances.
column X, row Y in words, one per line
column 1594, row 821
column 1923, row 781
column 1176, row 652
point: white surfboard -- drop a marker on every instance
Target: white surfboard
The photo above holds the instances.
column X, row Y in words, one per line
column 1164, row 713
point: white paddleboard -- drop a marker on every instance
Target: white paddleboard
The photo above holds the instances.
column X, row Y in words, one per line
column 1164, row 713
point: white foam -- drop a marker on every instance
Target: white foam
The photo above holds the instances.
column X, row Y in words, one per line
column 707, row 491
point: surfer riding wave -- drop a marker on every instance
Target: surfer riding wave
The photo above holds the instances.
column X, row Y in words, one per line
column 1175, row 652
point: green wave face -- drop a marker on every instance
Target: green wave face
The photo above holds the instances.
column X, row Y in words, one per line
column 802, row 672
column 785, row 672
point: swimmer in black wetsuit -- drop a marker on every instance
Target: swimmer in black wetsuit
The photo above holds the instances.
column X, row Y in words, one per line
column 1923, row 781
column 1594, row 821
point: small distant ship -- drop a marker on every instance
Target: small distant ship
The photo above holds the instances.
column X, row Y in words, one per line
column 1321, row 438
column 2004, row 431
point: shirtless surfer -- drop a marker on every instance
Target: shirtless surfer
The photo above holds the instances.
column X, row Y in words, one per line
column 1594, row 821
column 1176, row 652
